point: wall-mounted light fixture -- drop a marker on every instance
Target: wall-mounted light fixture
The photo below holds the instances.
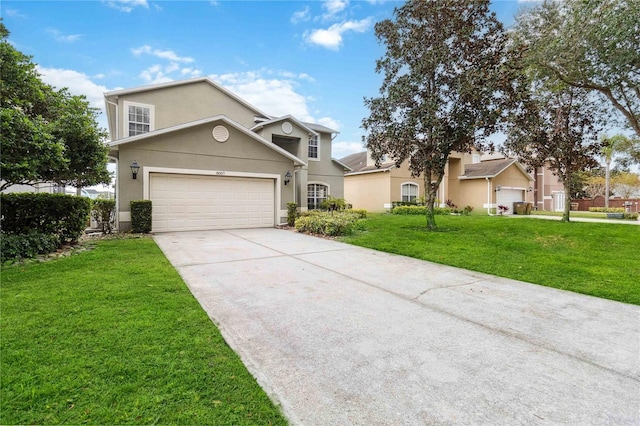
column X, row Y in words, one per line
column 530, row 189
column 287, row 177
column 498, row 188
column 134, row 169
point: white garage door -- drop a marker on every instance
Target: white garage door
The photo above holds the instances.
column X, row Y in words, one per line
column 194, row 202
column 506, row 197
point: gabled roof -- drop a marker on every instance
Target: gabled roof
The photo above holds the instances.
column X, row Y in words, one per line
column 355, row 161
column 222, row 118
column 140, row 89
column 344, row 166
column 320, row 128
column 491, row 169
column 299, row 123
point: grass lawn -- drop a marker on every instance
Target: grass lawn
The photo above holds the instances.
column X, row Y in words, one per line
column 113, row 335
column 592, row 258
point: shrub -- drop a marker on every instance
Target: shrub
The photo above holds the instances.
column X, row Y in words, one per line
column 395, row 204
column 467, row 210
column 362, row 213
column 104, row 212
column 53, row 214
column 292, row 213
column 323, row 223
column 631, row 216
column 14, row 246
column 141, row 216
column 333, row 204
column 607, row 210
column 419, row 210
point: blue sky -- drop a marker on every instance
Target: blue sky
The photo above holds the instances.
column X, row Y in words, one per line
column 312, row 59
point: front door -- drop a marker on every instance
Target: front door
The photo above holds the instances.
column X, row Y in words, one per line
column 558, row 201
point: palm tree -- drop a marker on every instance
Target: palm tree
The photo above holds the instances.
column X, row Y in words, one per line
column 610, row 147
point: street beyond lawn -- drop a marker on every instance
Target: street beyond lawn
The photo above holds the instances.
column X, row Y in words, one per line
column 114, row 336
column 598, row 259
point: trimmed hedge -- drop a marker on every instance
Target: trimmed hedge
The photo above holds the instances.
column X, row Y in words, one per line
column 62, row 215
column 329, row 224
column 607, row 210
column 14, row 247
column 292, row 213
column 141, row 216
column 419, row 210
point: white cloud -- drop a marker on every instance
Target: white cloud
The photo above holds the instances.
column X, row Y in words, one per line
column 162, row 54
column 126, row 5
column 301, row 15
column 78, row 84
column 64, row 38
column 331, row 38
column 333, row 7
column 14, row 13
column 342, row 149
column 329, row 122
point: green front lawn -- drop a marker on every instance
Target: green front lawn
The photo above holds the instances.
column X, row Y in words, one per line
column 112, row 336
column 599, row 259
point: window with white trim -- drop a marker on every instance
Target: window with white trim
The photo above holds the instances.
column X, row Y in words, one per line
column 139, row 118
column 314, row 147
column 409, row 192
column 316, row 194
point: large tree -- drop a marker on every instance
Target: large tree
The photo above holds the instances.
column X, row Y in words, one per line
column 443, row 71
column 555, row 126
column 589, row 44
column 48, row 135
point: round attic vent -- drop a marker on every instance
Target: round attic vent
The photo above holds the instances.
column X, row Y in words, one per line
column 220, row 133
column 287, row 127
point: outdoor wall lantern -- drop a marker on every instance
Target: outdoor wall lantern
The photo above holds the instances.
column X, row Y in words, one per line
column 498, row 188
column 530, row 189
column 287, row 177
column 134, row 169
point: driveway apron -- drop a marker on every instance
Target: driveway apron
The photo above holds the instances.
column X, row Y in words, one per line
column 342, row 335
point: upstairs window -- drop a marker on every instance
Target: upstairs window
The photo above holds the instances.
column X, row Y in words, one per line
column 139, row 118
column 409, row 192
column 313, row 147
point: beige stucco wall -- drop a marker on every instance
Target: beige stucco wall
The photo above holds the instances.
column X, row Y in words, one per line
column 474, row 192
column 184, row 103
column 195, row 149
column 370, row 191
column 294, row 142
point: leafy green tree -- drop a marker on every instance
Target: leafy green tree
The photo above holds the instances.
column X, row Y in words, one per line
column 443, row 71
column 615, row 146
column 47, row 135
column 626, row 184
column 592, row 45
column 555, row 125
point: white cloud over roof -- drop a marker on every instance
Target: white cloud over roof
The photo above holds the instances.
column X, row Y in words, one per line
column 126, row 5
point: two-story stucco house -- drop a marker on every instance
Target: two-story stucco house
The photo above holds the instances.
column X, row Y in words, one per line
column 468, row 180
column 207, row 159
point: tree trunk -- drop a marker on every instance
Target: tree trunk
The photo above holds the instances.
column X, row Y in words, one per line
column 607, row 179
column 430, row 190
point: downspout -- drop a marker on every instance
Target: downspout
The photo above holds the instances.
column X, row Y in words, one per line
column 488, row 196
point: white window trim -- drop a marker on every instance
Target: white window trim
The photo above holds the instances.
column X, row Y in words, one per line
column 316, row 182
column 152, row 115
column 318, row 138
column 412, row 184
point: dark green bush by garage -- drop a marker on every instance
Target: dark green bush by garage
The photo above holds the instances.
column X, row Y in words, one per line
column 141, row 216
column 64, row 216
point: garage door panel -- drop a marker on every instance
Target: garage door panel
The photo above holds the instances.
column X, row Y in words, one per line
column 507, row 197
column 191, row 202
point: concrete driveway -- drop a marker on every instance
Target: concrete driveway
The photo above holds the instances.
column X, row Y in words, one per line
column 341, row 335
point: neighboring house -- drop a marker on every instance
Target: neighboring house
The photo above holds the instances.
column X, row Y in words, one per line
column 210, row 160
column 467, row 181
column 549, row 192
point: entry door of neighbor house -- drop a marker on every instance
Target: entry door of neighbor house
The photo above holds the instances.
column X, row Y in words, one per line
column 558, row 201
